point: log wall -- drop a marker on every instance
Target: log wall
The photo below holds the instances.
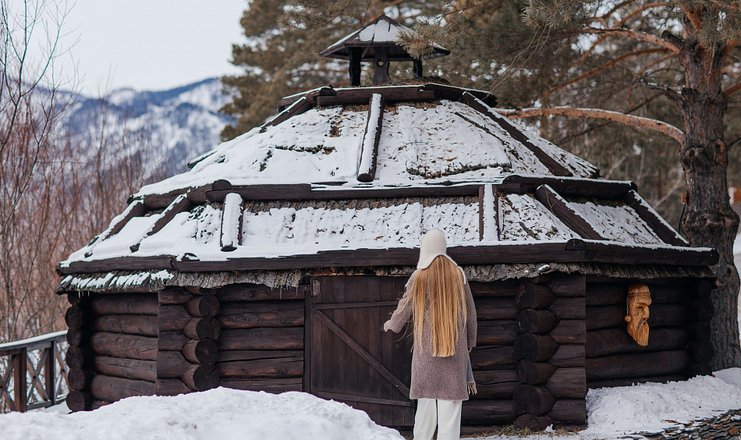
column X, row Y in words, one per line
column 678, row 344
column 550, row 348
column 113, row 347
column 493, row 359
column 261, row 347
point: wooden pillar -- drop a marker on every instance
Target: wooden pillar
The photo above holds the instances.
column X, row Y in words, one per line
column 700, row 349
column 381, row 66
column 356, row 54
column 417, row 68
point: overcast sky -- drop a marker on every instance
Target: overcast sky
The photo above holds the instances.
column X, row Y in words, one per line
column 149, row 44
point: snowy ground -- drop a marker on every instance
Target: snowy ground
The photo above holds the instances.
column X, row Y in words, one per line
column 226, row 414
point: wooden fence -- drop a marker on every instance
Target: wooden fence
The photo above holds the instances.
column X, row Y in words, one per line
column 33, row 373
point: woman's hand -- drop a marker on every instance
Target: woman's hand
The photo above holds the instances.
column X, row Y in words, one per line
column 387, row 325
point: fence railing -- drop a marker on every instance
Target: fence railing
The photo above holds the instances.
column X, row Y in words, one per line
column 33, row 373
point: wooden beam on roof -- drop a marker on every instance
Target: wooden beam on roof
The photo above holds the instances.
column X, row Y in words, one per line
column 299, row 106
column 560, row 208
column 305, row 191
column 654, row 220
column 231, row 223
column 552, row 164
column 136, row 208
column 452, row 93
column 391, row 94
column 371, row 139
column 572, row 251
column 180, row 204
column 568, row 186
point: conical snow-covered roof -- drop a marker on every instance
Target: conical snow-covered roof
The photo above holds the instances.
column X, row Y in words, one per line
column 352, row 177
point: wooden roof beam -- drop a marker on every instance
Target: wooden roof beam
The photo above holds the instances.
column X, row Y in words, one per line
column 654, row 221
column 552, row 164
column 560, row 208
column 231, row 223
column 136, row 208
column 180, row 204
column 371, row 139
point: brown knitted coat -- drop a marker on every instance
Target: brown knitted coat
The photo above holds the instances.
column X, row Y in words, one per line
column 437, row 377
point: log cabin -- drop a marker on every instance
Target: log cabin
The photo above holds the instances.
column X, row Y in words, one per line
column 273, row 261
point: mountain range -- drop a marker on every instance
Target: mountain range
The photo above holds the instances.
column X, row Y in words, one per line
column 163, row 128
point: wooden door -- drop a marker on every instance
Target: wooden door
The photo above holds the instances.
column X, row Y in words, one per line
column 349, row 358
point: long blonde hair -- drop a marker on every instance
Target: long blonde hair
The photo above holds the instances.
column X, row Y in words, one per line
column 439, row 287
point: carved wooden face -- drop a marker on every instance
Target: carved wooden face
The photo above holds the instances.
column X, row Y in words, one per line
column 639, row 300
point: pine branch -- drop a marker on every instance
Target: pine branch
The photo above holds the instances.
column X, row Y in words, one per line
column 693, row 17
column 634, row 35
column 591, row 113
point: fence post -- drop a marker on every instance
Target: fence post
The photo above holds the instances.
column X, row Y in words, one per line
column 19, row 380
column 51, row 375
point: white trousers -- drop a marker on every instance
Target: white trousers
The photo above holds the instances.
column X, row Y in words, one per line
column 445, row 414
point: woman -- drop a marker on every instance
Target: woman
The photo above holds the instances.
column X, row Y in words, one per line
column 439, row 301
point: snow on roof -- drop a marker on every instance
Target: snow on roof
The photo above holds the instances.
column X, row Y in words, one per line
column 420, row 143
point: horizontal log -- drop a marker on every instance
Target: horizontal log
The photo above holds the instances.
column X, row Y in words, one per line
column 620, row 366
column 661, row 315
column 287, row 338
column 269, row 385
column 497, row 391
column 202, row 328
column 488, row 412
column 536, row 321
column 111, row 388
column 495, row 308
column 262, row 314
column 173, row 295
column 262, row 368
column 568, row 383
column 496, row 332
column 145, row 325
column 570, row 331
column 203, row 306
column 204, row 352
column 78, row 379
column 201, row 377
column 171, row 341
column 126, row 368
column 490, row 358
column 696, row 331
column 507, row 288
column 603, row 294
column 75, row 336
column 76, row 357
column 617, row 341
column 535, row 347
column 78, row 400
column 124, row 304
column 253, row 292
column 568, row 285
column 702, row 308
column 171, row 387
column 535, row 373
column 700, row 351
column 171, row 364
column 248, row 355
column 569, row 412
column 494, row 377
column 173, row 317
column 73, row 317
column 670, row 294
column 569, row 308
column 568, row 355
column 635, row 380
column 532, row 422
column 98, row 404
column 124, row 346
column 535, row 296
column 533, row 399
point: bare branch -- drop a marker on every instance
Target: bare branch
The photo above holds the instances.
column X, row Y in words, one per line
column 591, row 113
column 733, row 89
column 632, row 34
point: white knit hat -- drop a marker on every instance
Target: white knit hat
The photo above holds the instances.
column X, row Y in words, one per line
column 433, row 245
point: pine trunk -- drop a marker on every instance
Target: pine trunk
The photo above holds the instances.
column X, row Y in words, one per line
column 709, row 219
